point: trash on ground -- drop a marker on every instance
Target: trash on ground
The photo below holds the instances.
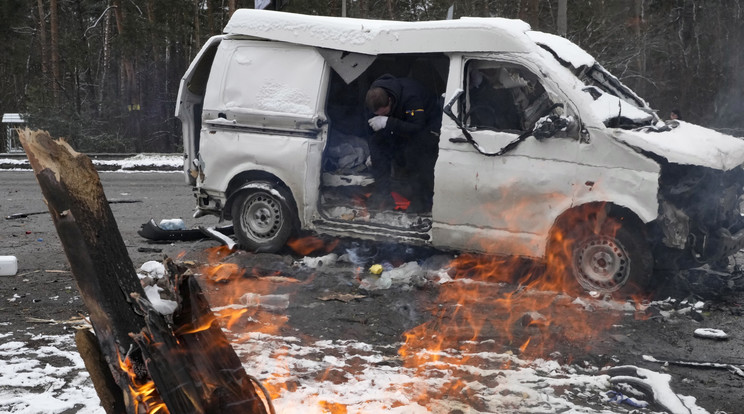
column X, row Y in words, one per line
column 151, row 275
column 268, row 302
column 220, row 237
column 699, row 364
column 321, row 261
column 8, row 265
column 710, row 333
column 651, row 385
column 410, row 273
column 341, row 297
column 172, row 224
column 152, row 231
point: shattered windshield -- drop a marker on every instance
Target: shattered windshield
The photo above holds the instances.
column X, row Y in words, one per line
column 616, row 104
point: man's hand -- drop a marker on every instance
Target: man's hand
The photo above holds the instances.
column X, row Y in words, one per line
column 377, row 123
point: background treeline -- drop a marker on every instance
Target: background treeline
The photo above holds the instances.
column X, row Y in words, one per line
column 105, row 74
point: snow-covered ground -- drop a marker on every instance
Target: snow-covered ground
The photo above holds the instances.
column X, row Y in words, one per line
column 138, row 163
column 44, row 374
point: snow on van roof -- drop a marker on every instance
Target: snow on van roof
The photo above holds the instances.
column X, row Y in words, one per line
column 564, row 48
column 374, row 37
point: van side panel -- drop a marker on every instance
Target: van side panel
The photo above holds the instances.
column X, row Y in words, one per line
column 263, row 111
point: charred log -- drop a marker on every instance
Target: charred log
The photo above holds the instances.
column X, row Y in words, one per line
column 156, row 360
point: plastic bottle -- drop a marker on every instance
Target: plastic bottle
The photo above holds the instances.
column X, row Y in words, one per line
column 8, row 265
column 268, row 302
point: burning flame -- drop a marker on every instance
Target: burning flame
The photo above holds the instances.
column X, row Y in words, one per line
column 143, row 392
column 527, row 310
column 511, row 302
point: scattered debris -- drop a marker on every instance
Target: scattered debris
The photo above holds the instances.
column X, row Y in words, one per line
column 652, row 385
column 318, row 262
column 268, row 302
column 8, row 265
column 36, row 213
column 710, row 333
column 220, row 237
column 172, row 224
column 280, row 279
column 342, row 297
column 80, row 320
column 24, row 215
column 152, row 231
column 697, row 364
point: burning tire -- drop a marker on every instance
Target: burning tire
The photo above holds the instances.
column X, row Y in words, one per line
column 262, row 219
column 602, row 254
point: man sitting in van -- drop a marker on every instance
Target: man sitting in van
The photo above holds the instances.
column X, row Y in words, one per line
column 406, row 122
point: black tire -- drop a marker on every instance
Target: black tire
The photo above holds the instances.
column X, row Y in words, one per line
column 263, row 220
column 604, row 255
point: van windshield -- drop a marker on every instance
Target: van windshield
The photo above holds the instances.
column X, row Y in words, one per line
column 616, row 104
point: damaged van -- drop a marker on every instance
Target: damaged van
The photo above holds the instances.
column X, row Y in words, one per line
column 542, row 152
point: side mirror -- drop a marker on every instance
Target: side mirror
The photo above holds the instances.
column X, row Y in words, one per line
column 549, row 126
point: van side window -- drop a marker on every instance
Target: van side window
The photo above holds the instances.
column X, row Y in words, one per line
column 503, row 97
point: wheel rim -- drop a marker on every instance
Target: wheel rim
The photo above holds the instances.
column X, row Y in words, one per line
column 601, row 264
column 262, row 216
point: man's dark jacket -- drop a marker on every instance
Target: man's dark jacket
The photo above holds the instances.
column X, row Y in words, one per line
column 415, row 109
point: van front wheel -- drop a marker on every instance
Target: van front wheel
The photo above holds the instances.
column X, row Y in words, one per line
column 604, row 256
column 262, row 220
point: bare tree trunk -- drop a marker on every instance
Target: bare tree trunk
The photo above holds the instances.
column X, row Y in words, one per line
column 106, row 64
column 210, row 18
column 231, row 7
column 197, row 32
column 130, row 90
column 54, row 35
column 640, row 37
column 43, row 38
column 391, row 15
column 562, row 23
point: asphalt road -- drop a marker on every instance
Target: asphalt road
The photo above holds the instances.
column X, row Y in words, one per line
column 134, row 198
column 44, row 289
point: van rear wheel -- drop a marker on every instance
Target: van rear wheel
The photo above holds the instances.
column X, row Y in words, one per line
column 262, row 219
column 603, row 255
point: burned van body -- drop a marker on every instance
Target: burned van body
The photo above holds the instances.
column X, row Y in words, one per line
column 542, row 152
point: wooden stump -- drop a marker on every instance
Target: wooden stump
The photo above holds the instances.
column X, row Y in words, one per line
column 192, row 372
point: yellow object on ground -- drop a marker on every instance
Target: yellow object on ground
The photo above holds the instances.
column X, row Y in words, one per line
column 375, row 269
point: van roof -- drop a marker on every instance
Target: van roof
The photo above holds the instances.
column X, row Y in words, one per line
column 373, row 37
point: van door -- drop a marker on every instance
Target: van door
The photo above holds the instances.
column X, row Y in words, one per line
column 263, row 117
column 189, row 103
column 501, row 204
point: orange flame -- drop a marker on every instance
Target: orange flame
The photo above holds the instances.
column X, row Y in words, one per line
column 144, row 394
column 526, row 309
column 307, row 245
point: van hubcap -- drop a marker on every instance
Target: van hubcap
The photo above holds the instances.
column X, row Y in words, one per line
column 263, row 216
column 601, row 264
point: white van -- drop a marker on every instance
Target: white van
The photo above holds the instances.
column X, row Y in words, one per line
column 585, row 175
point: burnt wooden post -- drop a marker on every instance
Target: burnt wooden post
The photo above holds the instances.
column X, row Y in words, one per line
column 192, row 372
